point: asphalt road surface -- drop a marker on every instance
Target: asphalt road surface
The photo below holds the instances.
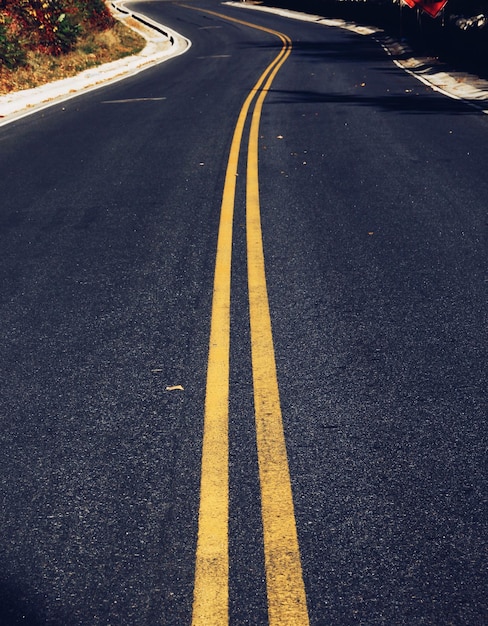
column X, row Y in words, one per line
column 243, row 340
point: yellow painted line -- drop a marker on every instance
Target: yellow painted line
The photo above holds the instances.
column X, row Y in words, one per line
column 211, row 591
column 237, row 21
column 210, row 597
column 211, row 594
column 287, row 604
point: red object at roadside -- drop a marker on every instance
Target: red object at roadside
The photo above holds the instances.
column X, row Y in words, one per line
column 432, row 7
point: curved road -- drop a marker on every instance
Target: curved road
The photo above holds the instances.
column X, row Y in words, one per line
column 243, row 348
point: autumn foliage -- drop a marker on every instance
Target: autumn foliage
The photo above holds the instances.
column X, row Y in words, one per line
column 49, row 26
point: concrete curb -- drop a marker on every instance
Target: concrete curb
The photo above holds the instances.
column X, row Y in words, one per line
column 457, row 85
column 162, row 44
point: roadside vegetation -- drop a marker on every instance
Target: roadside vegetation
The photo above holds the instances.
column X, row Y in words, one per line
column 45, row 40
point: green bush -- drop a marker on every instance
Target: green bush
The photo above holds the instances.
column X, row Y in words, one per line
column 12, row 54
column 49, row 26
column 93, row 13
column 66, row 33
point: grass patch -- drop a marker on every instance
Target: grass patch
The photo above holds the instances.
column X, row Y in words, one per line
column 91, row 50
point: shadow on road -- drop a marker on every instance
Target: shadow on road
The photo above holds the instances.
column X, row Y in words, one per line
column 366, row 53
column 15, row 607
column 395, row 103
column 346, row 48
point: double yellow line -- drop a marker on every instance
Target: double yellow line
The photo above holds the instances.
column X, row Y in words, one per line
column 285, row 588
